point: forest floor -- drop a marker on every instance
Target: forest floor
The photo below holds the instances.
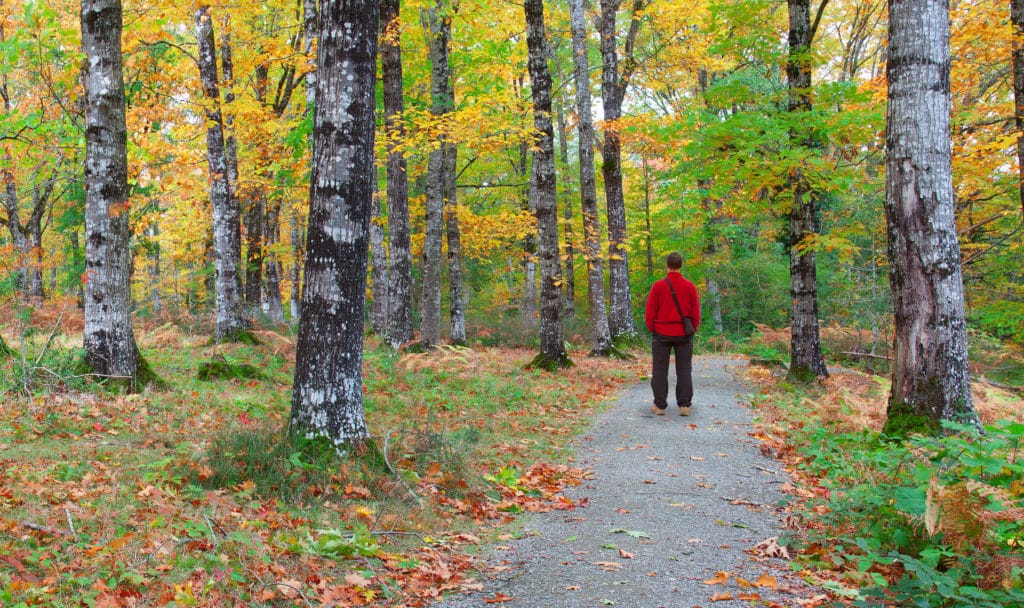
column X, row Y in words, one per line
column 679, row 511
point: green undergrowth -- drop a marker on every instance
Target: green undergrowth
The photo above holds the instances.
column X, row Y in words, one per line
column 927, row 521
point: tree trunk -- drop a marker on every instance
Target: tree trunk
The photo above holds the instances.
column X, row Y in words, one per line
column 806, row 360
column 226, row 232
column 400, row 323
column 379, row 268
column 298, row 252
column 567, row 216
column 252, row 220
column 931, row 380
column 1017, row 19
column 456, row 303
column 327, row 399
column 613, row 90
column 552, row 345
column 588, row 184
column 529, row 304
column 439, row 25
column 109, row 341
column 272, row 307
column 155, row 300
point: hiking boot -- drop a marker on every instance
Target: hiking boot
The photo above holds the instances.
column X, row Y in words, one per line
column 684, row 410
column 658, row 411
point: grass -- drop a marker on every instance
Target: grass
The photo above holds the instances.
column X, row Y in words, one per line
column 197, row 495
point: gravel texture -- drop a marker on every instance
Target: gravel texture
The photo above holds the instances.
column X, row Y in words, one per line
column 672, row 501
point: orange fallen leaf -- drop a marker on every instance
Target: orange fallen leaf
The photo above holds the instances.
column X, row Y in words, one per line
column 497, row 599
column 766, row 581
column 720, row 578
column 697, row 458
column 626, row 554
column 573, row 588
column 721, row 597
column 357, row 580
column 742, row 582
column 750, row 597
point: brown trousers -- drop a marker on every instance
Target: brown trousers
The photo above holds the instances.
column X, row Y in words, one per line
column 661, row 350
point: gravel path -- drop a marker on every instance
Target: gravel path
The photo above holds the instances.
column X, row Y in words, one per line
column 673, row 500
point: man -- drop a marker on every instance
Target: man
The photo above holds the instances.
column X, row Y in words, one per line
column 669, row 302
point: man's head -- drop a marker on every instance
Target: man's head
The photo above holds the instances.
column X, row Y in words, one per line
column 674, row 261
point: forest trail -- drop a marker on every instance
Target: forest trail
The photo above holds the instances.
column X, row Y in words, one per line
column 673, row 500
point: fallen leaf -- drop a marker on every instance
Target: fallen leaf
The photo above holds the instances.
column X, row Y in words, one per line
column 698, row 458
column 497, row 599
column 649, row 482
column 750, row 597
column 626, row 554
column 573, row 588
column 770, row 547
column 357, row 580
column 721, row 597
column 766, row 581
column 742, row 582
column 720, row 578
column 608, row 566
column 633, row 533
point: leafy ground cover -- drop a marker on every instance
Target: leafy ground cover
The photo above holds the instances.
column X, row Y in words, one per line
column 926, row 522
column 196, row 495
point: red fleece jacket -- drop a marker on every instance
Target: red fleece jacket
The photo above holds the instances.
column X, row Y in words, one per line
column 661, row 315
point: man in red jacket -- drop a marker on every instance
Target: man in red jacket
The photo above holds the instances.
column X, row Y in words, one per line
column 670, row 300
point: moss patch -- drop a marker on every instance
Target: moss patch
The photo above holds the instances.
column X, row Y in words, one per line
column 222, row 369
column 549, row 363
column 903, row 420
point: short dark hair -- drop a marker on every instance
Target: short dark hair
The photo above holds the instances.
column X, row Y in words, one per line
column 674, row 260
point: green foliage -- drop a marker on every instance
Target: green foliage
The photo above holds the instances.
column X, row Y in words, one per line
column 930, row 522
column 340, row 545
column 1004, row 320
column 222, row 369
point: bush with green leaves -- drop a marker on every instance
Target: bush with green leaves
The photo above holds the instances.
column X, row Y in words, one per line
column 930, row 522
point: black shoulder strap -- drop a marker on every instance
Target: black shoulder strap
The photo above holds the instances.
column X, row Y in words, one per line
column 673, row 292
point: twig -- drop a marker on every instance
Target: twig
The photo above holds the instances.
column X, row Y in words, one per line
column 71, row 523
column 53, row 333
column 391, row 468
column 212, row 533
column 1007, row 387
column 870, row 355
column 43, row 529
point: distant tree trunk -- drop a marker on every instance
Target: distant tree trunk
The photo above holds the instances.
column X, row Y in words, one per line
column 155, row 300
column 567, row 216
column 588, row 184
column 931, row 380
column 252, row 220
column 226, row 232
column 109, row 341
column 456, row 303
column 806, row 360
column 647, row 216
column 327, row 399
column 400, row 322
column 298, row 253
column 529, row 304
column 272, row 307
column 378, row 267
column 613, row 91
column 439, row 25
column 552, row 345
column 1017, row 19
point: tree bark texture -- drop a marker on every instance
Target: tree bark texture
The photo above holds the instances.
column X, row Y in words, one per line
column 931, row 380
column 400, row 323
column 327, row 399
column 613, row 90
column 110, row 348
column 439, row 25
column 1017, row 20
column 567, row 216
column 227, row 245
column 806, row 359
column 602, row 339
column 298, row 253
column 552, row 344
column 456, row 299
column 252, row 220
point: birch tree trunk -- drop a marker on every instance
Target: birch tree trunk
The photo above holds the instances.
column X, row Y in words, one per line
column 439, row 25
column 567, row 216
column 1017, row 20
column 552, row 345
column 931, row 380
column 400, row 323
column 109, row 341
column 613, row 90
column 298, row 251
column 327, row 399
column 588, row 184
column 806, row 360
column 456, row 300
column 230, row 323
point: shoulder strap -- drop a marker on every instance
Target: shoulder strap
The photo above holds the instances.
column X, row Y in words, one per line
column 673, row 292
